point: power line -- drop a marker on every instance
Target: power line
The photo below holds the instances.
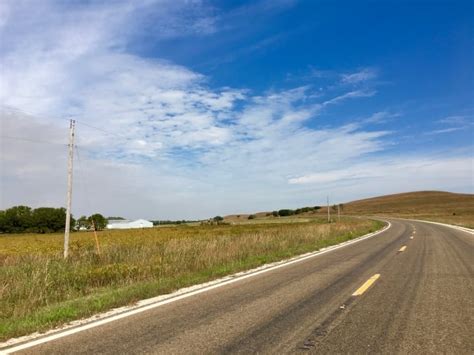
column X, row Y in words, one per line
column 104, row 131
column 66, row 119
column 32, row 140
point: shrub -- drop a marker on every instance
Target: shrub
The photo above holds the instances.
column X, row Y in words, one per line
column 286, row 212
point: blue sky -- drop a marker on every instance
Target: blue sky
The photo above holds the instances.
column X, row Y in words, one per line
column 188, row 109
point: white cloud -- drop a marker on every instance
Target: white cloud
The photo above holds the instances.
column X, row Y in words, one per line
column 380, row 117
column 461, row 121
column 350, row 95
column 444, row 130
column 395, row 174
column 358, row 77
column 154, row 139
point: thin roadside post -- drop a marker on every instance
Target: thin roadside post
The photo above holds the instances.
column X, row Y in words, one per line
column 96, row 237
column 329, row 212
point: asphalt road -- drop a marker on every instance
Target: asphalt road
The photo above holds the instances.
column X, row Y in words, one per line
column 418, row 300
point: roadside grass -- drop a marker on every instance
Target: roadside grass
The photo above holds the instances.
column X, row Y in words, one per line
column 39, row 290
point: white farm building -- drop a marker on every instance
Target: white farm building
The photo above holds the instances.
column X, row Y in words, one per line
column 125, row 224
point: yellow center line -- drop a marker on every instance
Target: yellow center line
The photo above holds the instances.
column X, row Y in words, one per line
column 366, row 285
column 403, row 248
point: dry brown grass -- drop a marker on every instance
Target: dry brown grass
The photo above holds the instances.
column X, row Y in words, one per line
column 38, row 289
column 436, row 206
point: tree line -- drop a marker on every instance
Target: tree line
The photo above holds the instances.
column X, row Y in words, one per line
column 24, row 219
column 289, row 212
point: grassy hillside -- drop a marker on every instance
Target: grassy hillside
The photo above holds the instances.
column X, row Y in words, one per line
column 439, row 206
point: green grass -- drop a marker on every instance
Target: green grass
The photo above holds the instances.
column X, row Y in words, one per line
column 39, row 290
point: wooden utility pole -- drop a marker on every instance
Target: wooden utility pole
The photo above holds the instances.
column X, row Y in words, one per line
column 72, row 123
column 329, row 212
column 338, row 212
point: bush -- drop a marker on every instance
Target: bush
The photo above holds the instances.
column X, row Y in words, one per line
column 286, row 212
column 252, row 216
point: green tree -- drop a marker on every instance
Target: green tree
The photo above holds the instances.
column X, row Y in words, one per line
column 252, row 216
column 83, row 222
column 286, row 212
column 218, row 219
column 48, row 219
column 20, row 219
column 97, row 221
column 16, row 219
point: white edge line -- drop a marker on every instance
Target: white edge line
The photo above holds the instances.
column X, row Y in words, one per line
column 147, row 304
column 463, row 229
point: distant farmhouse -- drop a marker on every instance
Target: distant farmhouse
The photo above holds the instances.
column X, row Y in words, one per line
column 126, row 224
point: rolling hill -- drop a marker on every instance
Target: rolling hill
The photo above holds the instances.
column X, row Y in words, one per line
column 440, row 206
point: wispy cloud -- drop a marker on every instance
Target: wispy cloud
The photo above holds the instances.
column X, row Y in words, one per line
column 359, row 76
column 456, row 120
column 380, row 117
column 424, row 172
column 349, row 95
column 451, row 124
column 443, row 131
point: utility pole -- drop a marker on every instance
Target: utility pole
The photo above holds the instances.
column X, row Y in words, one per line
column 338, row 213
column 72, row 123
column 329, row 212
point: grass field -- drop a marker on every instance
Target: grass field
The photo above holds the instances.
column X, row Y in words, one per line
column 39, row 290
column 438, row 206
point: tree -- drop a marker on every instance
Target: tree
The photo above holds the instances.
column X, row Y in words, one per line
column 48, row 219
column 83, row 223
column 20, row 219
column 17, row 219
column 97, row 221
column 252, row 216
column 218, row 219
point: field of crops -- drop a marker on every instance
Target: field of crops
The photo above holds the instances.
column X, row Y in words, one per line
column 40, row 290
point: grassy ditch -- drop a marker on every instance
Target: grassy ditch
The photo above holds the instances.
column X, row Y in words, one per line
column 39, row 290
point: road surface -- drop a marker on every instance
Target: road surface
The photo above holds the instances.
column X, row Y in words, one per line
column 407, row 290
